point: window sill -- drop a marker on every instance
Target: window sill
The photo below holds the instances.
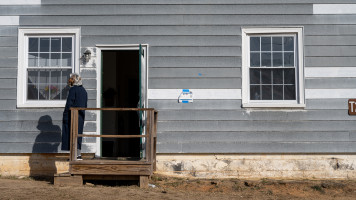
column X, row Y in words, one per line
column 42, row 104
column 269, row 105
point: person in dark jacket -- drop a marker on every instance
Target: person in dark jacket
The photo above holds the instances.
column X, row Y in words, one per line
column 77, row 97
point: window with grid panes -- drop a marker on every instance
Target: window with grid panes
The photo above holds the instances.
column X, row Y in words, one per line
column 50, row 61
column 273, row 70
column 46, row 58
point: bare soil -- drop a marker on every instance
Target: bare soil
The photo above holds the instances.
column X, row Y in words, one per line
column 162, row 187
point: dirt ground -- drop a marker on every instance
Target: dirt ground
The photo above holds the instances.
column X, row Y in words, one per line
column 178, row 188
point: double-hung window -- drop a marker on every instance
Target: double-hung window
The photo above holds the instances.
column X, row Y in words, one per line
column 272, row 67
column 46, row 59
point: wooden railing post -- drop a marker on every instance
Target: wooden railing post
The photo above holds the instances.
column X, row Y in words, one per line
column 73, row 134
column 148, row 138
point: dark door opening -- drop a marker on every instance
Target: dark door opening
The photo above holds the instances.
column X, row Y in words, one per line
column 120, row 89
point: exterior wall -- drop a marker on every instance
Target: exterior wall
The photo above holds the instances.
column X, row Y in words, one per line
column 194, row 45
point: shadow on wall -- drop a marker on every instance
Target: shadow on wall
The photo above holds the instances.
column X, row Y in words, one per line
column 41, row 162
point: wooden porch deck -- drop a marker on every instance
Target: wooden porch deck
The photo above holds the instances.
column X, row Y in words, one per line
column 112, row 168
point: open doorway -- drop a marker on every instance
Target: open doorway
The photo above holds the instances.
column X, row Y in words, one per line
column 121, row 87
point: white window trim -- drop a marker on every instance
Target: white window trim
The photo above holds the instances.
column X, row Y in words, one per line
column 246, row 32
column 23, row 33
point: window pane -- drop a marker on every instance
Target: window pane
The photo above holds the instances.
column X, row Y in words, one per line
column 289, row 76
column 255, row 59
column 65, row 75
column 66, row 59
column 266, row 59
column 44, row 44
column 255, row 92
column 54, row 91
column 288, row 43
column 32, row 44
column 55, row 44
column 266, row 92
column 277, row 92
column 56, row 77
column 44, row 77
column 289, row 59
column 44, row 59
column 277, row 60
column 55, row 59
column 277, row 43
column 32, row 92
column 266, row 76
column 44, row 92
column 254, row 43
column 255, row 76
column 33, row 59
column 277, row 76
column 289, row 92
column 32, row 77
column 66, row 44
column 265, row 43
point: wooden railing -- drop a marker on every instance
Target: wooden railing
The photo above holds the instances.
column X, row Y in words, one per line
column 150, row 131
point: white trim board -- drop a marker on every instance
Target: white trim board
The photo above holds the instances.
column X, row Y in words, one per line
column 197, row 93
column 9, row 20
column 334, row 9
column 336, row 72
column 20, row 2
column 330, row 93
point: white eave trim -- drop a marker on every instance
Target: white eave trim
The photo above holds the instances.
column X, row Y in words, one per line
column 334, row 9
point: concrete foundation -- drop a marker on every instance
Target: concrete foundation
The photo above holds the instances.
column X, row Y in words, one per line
column 204, row 166
column 259, row 166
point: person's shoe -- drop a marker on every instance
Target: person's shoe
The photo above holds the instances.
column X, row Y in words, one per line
column 79, row 158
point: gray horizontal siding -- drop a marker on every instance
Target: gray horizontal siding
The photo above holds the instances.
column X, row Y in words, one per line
column 329, row 30
column 8, row 52
column 8, row 73
column 8, row 94
column 193, row 44
column 173, row 30
column 88, row 41
column 8, row 63
column 16, row 126
column 8, row 83
column 8, row 41
column 195, row 51
column 204, row 2
column 311, row 104
column 217, row 126
column 254, row 115
column 53, row 147
column 34, row 115
column 326, row 104
column 194, row 72
column 330, row 61
column 8, row 31
column 198, row 104
column 7, row 105
column 262, row 136
column 258, row 147
column 188, row 62
column 37, row 137
column 100, row 10
column 330, row 83
column 187, row 20
column 344, row 40
column 196, row 83
column 326, row 51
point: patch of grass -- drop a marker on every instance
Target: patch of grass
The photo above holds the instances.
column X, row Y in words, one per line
column 317, row 188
